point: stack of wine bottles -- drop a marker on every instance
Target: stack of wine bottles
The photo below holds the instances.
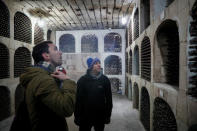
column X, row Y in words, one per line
column 193, row 53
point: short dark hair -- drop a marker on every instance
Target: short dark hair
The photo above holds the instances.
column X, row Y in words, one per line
column 39, row 49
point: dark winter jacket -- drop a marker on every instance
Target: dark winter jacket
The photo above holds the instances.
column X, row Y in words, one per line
column 48, row 105
column 93, row 100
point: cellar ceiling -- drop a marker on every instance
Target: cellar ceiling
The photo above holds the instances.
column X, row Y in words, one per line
column 79, row 14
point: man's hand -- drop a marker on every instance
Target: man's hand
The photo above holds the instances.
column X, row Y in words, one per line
column 59, row 75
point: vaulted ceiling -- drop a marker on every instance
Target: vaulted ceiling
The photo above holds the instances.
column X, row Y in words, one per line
column 79, row 14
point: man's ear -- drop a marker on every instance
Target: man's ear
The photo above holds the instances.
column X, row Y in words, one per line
column 46, row 56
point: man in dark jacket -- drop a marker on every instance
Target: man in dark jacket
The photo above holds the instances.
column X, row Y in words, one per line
column 49, row 94
column 94, row 98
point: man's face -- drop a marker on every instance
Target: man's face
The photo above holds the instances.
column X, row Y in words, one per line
column 96, row 67
column 55, row 56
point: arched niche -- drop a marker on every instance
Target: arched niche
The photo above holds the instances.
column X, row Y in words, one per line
column 166, row 55
column 135, row 96
column 146, row 59
column 113, row 65
column 163, row 116
column 115, row 84
column 4, row 62
column 144, row 15
column 38, row 34
column 136, row 61
column 22, row 28
column 4, row 20
column 145, row 108
column 136, row 24
column 22, row 59
column 67, row 43
column 112, row 42
column 89, row 43
column 130, row 62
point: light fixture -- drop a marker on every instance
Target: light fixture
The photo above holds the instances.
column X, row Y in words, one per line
column 124, row 20
column 40, row 22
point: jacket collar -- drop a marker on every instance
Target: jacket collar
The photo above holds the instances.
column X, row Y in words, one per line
column 90, row 74
column 46, row 66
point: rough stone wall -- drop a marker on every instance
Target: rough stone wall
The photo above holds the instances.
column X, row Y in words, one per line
column 181, row 104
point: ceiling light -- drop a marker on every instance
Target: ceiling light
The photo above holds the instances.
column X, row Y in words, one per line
column 40, row 23
column 124, row 20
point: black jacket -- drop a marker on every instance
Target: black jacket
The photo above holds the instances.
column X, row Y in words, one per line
column 93, row 100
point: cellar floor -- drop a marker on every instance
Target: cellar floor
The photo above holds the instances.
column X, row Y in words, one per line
column 124, row 117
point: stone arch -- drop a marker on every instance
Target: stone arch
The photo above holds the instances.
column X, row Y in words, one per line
column 4, row 20
column 4, row 62
column 22, row 28
column 22, row 59
column 144, row 15
column 49, row 34
column 136, row 24
column 67, row 43
column 130, row 62
column 89, row 43
column 146, row 59
column 167, row 53
column 163, row 116
column 145, row 108
column 113, row 65
column 130, row 90
column 115, row 84
column 135, row 96
column 136, row 61
column 127, row 62
column 38, row 34
column 112, row 42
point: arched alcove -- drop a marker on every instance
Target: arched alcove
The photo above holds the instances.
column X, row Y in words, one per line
column 145, row 108
column 130, row 62
column 144, row 15
column 163, row 116
column 136, row 24
column 126, row 87
column 67, row 43
column 130, row 90
column 146, row 59
column 22, row 59
column 4, row 20
column 89, row 43
column 22, row 28
column 38, row 34
column 167, row 53
column 135, row 96
column 115, row 84
column 49, row 34
column 5, row 105
column 4, row 62
column 113, row 65
column 136, row 61
column 126, row 62
column 127, row 37
column 130, row 32
column 112, row 42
